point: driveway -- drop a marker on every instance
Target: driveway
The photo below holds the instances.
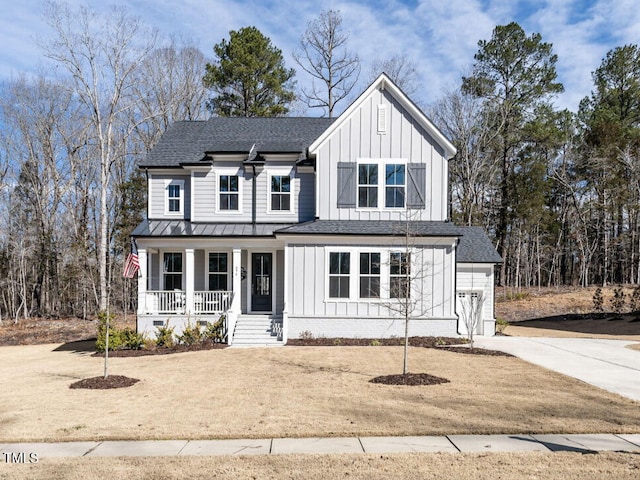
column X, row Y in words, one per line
column 604, row 363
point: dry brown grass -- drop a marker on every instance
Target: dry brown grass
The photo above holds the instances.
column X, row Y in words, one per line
column 294, row 392
column 523, row 466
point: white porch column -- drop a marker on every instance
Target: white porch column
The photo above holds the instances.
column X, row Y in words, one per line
column 285, row 308
column 236, row 282
column 189, row 279
column 142, row 281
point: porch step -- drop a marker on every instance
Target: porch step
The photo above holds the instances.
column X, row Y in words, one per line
column 255, row 330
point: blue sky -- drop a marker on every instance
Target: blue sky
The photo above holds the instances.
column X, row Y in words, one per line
column 440, row 36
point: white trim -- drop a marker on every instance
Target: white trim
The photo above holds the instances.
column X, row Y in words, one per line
column 162, row 271
column 382, row 164
column 354, row 271
column 206, row 267
column 237, row 172
column 383, row 82
column 181, row 198
column 274, row 280
column 281, row 172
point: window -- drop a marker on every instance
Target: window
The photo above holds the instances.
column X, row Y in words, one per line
column 280, row 192
column 367, row 185
column 395, row 184
column 172, row 271
column 173, row 198
column 218, row 271
column 339, row 269
column 229, row 192
column 370, row 275
column 399, row 272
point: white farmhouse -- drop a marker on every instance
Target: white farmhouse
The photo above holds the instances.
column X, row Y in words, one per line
column 293, row 226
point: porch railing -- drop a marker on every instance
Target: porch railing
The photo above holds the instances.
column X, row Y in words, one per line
column 175, row 302
column 211, row 302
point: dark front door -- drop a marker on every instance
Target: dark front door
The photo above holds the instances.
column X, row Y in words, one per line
column 261, row 285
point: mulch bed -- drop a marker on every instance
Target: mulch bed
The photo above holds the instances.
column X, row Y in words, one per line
column 163, row 350
column 410, row 379
column 449, row 344
column 102, row 383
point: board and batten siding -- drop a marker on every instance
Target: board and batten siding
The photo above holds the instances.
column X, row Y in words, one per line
column 308, row 296
column 357, row 138
column 478, row 277
column 158, row 195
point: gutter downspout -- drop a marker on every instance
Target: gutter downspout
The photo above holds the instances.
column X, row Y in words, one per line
column 253, row 197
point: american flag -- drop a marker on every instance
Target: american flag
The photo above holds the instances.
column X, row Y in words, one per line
column 131, row 264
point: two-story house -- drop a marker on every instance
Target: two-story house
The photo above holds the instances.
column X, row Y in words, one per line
column 310, row 226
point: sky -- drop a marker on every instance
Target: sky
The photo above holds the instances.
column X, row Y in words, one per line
column 441, row 37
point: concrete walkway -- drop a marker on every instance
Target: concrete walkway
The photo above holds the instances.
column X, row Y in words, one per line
column 604, row 363
column 275, row 446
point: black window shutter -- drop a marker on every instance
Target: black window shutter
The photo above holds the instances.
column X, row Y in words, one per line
column 416, row 185
column 346, row 185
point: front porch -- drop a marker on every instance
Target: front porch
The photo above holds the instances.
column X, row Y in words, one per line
column 198, row 285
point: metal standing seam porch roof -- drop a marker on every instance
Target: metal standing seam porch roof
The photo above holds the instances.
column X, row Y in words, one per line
column 474, row 246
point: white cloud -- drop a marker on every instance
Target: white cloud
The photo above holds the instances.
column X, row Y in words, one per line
column 441, row 37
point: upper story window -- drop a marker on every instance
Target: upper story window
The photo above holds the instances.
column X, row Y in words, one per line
column 380, row 184
column 281, row 192
column 229, row 186
column 367, row 185
column 395, row 185
column 174, row 200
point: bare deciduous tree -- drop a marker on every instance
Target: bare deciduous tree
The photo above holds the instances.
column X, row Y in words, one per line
column 101, row 53
column 399, row 68
column 323, row 54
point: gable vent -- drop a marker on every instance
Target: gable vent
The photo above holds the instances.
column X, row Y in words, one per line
column 382, row 119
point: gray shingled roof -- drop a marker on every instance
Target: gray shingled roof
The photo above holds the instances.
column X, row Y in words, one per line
column 373, row 227
column 474, row 245
column 187, row 142
column 183, row 228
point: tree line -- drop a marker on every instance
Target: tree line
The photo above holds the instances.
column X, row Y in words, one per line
column 558, row 191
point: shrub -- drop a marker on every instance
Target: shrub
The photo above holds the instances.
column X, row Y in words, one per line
column 306, row 335
column 501, row 324
column 598, row 300
column 190, row 335
column 131, row 339
column 618, row 301
column 164, row 335
column 214, row 332
column 375, row 343
column 115, row 340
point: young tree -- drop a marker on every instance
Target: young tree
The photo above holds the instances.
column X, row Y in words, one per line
column 471, row 304
column 249, row 78
column 323, row 54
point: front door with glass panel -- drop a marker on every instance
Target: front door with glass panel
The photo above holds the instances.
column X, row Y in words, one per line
column 261, row 282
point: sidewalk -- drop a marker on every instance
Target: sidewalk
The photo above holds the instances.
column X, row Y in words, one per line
column 427, row 444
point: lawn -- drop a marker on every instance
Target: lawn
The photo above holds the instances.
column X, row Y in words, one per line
column 294, row 392
column 523, row 466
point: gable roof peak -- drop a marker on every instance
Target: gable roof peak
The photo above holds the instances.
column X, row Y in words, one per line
column 384, row 82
